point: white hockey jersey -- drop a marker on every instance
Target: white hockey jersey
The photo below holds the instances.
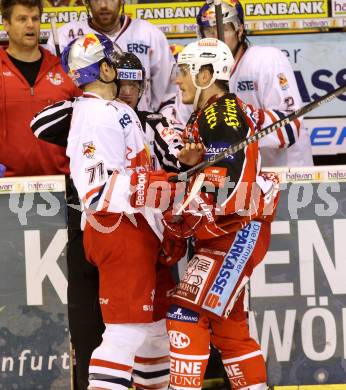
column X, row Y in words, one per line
column 147, row 42
column 103, row 155
column 264, row 78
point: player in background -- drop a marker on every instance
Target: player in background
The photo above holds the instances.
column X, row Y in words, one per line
column 30, row 78
column 230, row 220
column 164, row 140
column 132, row 35
column 263, row 77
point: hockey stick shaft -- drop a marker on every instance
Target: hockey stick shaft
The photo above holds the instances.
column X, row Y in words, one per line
column 55, row 34
column 219, row 20
column 260, row 134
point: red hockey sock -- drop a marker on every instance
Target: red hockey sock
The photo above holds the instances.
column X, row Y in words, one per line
column 189, row 350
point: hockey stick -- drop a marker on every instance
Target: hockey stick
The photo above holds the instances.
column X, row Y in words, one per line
column 194, row 191
column 219, row 20
column 260, row 134
column 54, row 34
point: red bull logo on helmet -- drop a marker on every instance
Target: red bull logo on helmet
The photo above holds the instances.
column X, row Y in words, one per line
column 90, row 40
column 208, row 14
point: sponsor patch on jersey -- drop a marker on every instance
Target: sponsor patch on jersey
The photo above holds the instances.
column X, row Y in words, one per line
column 138, row 47
column 230, row 113
column 216, row 175
column 194, row 279
column 283, row 81
column 89, row 149
column 210, row 114
column 181, row 314
column 215, row 148
column 231, row 269
column 55, row 78
column 247, row 85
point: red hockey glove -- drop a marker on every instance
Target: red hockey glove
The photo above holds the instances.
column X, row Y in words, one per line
column 197, row 214
column 172, row 249
column 152, row 189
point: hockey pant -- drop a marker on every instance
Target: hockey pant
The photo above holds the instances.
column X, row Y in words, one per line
column 126, row 259
column 209, row 309
column 125, row 351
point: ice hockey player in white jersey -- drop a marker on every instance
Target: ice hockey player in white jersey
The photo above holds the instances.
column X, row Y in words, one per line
column 108, row 153
column 262, row 76
column 132, row 35
column 52, row 124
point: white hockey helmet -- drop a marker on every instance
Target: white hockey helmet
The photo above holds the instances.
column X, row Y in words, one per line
column 208, row 51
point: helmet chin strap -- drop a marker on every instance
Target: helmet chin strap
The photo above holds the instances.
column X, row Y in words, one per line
column 199, row 91
column 196, row 98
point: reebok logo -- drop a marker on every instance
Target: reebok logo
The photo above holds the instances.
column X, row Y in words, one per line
column 141, row 183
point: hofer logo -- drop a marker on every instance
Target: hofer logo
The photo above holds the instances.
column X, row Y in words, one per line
column 178, row 340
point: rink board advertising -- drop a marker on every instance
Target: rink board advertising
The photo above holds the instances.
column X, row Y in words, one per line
column 34, row 346
column 177, row 19
column 339, row 8
column 298, row 294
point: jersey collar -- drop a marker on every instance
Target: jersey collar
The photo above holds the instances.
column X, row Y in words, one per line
column 91, row 95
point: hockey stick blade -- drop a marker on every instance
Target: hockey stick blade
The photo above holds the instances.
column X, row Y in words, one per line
column 260, row 134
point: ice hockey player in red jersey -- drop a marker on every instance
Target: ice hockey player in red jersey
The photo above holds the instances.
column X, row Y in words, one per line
column 230, row 220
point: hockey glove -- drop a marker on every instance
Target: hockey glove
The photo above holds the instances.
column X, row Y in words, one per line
column 172, row 249
column 197, row 215
column 152, row 189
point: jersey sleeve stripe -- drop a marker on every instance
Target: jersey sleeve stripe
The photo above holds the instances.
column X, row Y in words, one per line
column 279, row 131
column 297, row 123
column 109, row 192
column 288, row 127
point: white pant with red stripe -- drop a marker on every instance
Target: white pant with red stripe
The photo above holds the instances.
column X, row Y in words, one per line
column 138, row 350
